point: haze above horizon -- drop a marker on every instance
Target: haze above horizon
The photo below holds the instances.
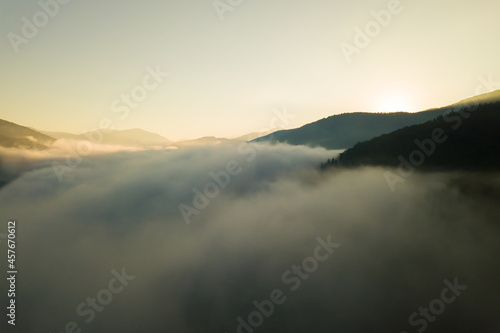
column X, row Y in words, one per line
column 209, row 68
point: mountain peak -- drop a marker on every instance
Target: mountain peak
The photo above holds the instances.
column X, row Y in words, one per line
column 17, row 136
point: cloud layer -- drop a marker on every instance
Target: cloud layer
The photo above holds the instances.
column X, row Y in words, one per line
column 121, row 211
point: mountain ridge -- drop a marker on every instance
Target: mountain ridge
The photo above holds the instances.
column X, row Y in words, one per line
column 466, row 138
column 127, row 137
column 344, row 130
column 17, row 136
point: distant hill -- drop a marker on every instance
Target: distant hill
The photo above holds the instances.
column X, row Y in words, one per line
column 468, row 141
column 16, row 136
column 62, row 135
column 134, row 137
column 131, row 137
column 345, row 130
column 254, row 135
column 207, row 140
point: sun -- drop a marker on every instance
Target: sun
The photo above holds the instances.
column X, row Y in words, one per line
column 394, row 103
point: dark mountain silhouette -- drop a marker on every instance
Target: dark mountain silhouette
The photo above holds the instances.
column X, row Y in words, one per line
column 466, row 138
column 16, row 136
column 345, row 130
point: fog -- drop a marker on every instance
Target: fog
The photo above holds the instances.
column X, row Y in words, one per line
column 202, row 270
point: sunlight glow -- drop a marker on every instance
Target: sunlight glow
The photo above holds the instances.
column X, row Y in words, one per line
column 394, row 103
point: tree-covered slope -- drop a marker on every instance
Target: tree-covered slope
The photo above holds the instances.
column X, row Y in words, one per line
column 466, row 138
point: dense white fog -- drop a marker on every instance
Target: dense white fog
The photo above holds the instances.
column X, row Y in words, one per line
column 337, row 251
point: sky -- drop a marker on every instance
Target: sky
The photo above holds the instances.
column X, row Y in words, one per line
column 209, row 68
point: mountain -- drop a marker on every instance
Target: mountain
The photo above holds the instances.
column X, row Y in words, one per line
column 481, row 99
column 62, row 135
column 254, row 135
column 207, row 140
column 131, row 137
column 459, row 140
column 345, row 130
column 16, row 136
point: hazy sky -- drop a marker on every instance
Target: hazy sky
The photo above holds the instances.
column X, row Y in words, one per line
column 226, row 76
